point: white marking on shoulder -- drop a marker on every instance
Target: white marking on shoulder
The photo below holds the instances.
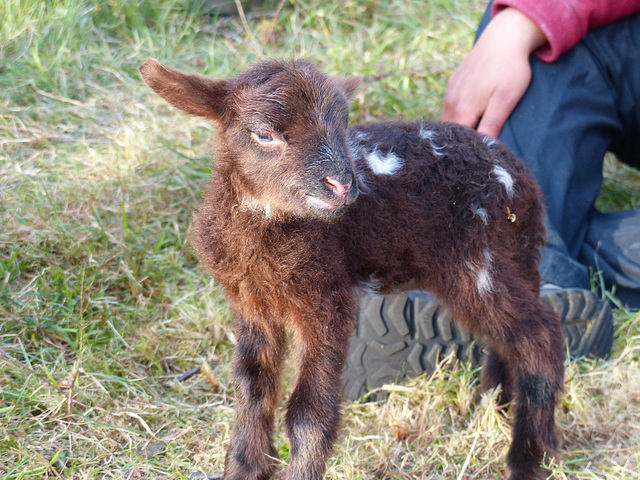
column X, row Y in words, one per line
column 355, row 148
column 360, row 169
column 388, row 164
column 505, row 178
column 360, row 135
column 357, row 141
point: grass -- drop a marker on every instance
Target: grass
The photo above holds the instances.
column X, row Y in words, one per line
column 102, row 305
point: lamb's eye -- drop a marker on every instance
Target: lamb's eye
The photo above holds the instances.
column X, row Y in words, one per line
column 267, row 139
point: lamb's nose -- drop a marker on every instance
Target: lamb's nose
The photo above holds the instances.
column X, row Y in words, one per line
column 339, row 188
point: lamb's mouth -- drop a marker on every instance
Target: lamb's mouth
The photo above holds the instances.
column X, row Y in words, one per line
column 323, row 205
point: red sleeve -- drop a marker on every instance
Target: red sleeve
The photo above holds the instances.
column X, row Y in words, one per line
column 565, row 22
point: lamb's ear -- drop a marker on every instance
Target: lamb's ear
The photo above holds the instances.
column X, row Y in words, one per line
column 193, row 93
column 349, row 84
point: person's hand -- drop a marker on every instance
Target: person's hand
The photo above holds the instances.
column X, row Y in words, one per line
column 491, row 80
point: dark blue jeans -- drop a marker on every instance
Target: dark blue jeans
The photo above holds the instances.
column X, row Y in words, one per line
column 575, row 110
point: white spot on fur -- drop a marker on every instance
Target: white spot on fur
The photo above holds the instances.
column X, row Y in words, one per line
column 437, row 151
column 360, row 170
column 480, row 212
column 505, row 178
column 484, row 279
column 431, row 135
column 267, row 210
column 256, row 207
column 356, row 141
column 361, row 136
column 489, row 142
column 388, row 164
column 355, row 148
column 427, row 134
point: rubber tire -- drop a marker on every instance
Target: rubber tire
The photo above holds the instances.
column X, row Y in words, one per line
column 408, row 334
column 401, row 335
column 587, row 321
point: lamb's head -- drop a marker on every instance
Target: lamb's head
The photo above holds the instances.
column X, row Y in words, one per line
column 282, row 132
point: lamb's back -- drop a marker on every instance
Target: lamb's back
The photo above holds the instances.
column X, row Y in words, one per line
column 432, row 192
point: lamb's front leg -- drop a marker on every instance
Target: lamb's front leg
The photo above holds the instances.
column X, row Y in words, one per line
column 255, row 371
column 313, row 410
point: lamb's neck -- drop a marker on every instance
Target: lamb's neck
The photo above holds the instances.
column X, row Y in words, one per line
column 231, row 195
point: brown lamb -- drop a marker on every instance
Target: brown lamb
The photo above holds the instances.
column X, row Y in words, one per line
column 303, row 212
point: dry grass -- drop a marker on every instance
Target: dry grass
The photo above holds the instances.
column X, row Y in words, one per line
column 102, row 305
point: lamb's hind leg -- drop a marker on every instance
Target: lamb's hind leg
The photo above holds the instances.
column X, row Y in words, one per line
column 255, row 371
column 530, row 345
column 495, row 372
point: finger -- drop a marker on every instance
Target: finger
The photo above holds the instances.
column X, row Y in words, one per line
column 498, row 110
column 455, row 109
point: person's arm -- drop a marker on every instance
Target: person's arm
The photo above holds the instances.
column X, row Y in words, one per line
column 565, row 22
column 488, row 84
column 491, row 80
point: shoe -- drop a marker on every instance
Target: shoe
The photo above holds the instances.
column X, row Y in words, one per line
column 408, row 334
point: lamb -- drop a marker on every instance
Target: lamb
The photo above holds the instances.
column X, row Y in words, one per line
column 303, row 212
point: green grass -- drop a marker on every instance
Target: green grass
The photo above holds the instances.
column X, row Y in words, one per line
column 102, row 303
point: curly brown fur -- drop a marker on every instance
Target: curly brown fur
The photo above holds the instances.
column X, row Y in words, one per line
column 302, row 212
